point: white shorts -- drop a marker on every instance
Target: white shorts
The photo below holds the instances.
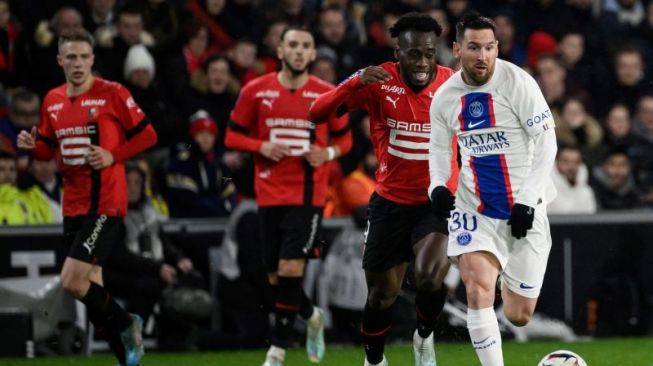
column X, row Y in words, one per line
column 523, row 261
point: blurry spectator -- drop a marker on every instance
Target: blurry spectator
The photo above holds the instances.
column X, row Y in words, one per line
column 295, row 12
column 38, row 66
column 24, row 110
column 183, row 68
column 620, row 18
column 381, row 45
column 628, row 81
column 556, row 87
column 99, row 20
column 243, row 59
column 579, row 68
column 140, row 75
column 112, row 51
column 209, row 13
column 510, row 48
column 9, row 31
column 455, row 10
column 613, row 182
column 267, row 60
column 444, row 51
column 153, row 188
column 17, row 207
column 549, row 16
column 644, row 34
column 141, row 268
column 351, row 192
column 618, row 128
column 243, row 292
column 332, row 34
column 324, row 67
column 539, row 44
column 641, row 151
column 577, row 128
column 238, row 18
column 570, row 178
column 43, row 184
column 216, row 93
column 160, row 19
column 196, row 187
column 584, row 14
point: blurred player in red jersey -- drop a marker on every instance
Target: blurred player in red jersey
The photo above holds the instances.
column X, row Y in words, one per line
column 271, row 120
column 96, row 126
column 397, row 96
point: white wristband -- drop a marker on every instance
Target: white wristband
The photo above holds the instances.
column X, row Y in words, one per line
column 331, row 153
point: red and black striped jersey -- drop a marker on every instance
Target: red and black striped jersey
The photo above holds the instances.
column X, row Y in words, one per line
column 107, row 116
column 268, row 111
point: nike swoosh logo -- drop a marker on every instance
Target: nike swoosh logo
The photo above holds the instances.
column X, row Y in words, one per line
column 479, row 342
column 525, row 286
column 472, row 125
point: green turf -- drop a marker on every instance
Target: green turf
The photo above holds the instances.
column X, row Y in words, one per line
column 605, row 352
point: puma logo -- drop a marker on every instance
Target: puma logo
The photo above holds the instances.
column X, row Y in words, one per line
column 267, row 102
column 394, row 102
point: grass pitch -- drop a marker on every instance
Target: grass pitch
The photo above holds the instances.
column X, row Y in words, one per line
column 604, row 352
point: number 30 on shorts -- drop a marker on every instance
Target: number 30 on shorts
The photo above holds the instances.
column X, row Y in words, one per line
column 463, row 220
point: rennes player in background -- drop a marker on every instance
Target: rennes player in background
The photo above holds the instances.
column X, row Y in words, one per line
column 271, row 120
column 96, row 126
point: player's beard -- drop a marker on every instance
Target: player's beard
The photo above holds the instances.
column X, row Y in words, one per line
column 294, row 71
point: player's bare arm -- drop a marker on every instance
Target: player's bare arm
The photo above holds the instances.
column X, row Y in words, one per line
column 274, row 151
column 27, row 140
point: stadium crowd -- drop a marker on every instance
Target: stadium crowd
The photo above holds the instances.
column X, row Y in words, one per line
column 185, row 61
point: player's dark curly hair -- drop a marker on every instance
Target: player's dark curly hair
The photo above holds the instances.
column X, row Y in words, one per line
column 473, row 20
column 417, row 22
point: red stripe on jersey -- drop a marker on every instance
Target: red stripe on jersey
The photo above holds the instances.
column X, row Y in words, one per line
column 506, row 178
column 490, row 105
column 477, row 190
column 461, row 118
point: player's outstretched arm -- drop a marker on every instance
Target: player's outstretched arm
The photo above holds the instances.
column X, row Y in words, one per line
column 331, row 103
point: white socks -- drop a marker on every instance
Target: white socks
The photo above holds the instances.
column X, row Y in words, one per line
column 314, row 320
column 484, row 332
column 276, row 353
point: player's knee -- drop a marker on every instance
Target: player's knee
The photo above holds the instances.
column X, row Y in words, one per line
column 430, row 278
column 73, row 285
column 478, row 295
column 382, row 298
column 291, row 268
column 518, row 316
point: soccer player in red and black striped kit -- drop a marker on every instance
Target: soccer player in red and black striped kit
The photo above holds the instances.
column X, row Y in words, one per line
column 271, row 120
column 397, row 96
column 93, row 125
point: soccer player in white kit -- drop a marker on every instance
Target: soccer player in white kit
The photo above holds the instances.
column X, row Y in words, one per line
column 507, row 145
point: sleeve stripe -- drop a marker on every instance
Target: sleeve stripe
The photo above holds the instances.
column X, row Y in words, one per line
column 238, row 128
column 139, row 127
column 340, row 132
column 50, row 142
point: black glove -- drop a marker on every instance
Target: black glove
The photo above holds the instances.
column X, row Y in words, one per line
column 442, row 202
column 521, row 220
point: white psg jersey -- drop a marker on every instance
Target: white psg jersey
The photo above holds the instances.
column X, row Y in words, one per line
column 496, row 124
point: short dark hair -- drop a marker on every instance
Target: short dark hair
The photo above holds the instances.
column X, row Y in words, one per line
column 415, row 21
column 473, row 20
column 293, row 27
column 22, row 95
column 77, row 35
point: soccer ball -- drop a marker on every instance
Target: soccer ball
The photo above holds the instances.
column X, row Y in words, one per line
column 562, row 358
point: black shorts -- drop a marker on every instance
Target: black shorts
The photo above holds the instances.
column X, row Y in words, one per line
column 289, row 232
column 90, row 238
column 392, row 230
